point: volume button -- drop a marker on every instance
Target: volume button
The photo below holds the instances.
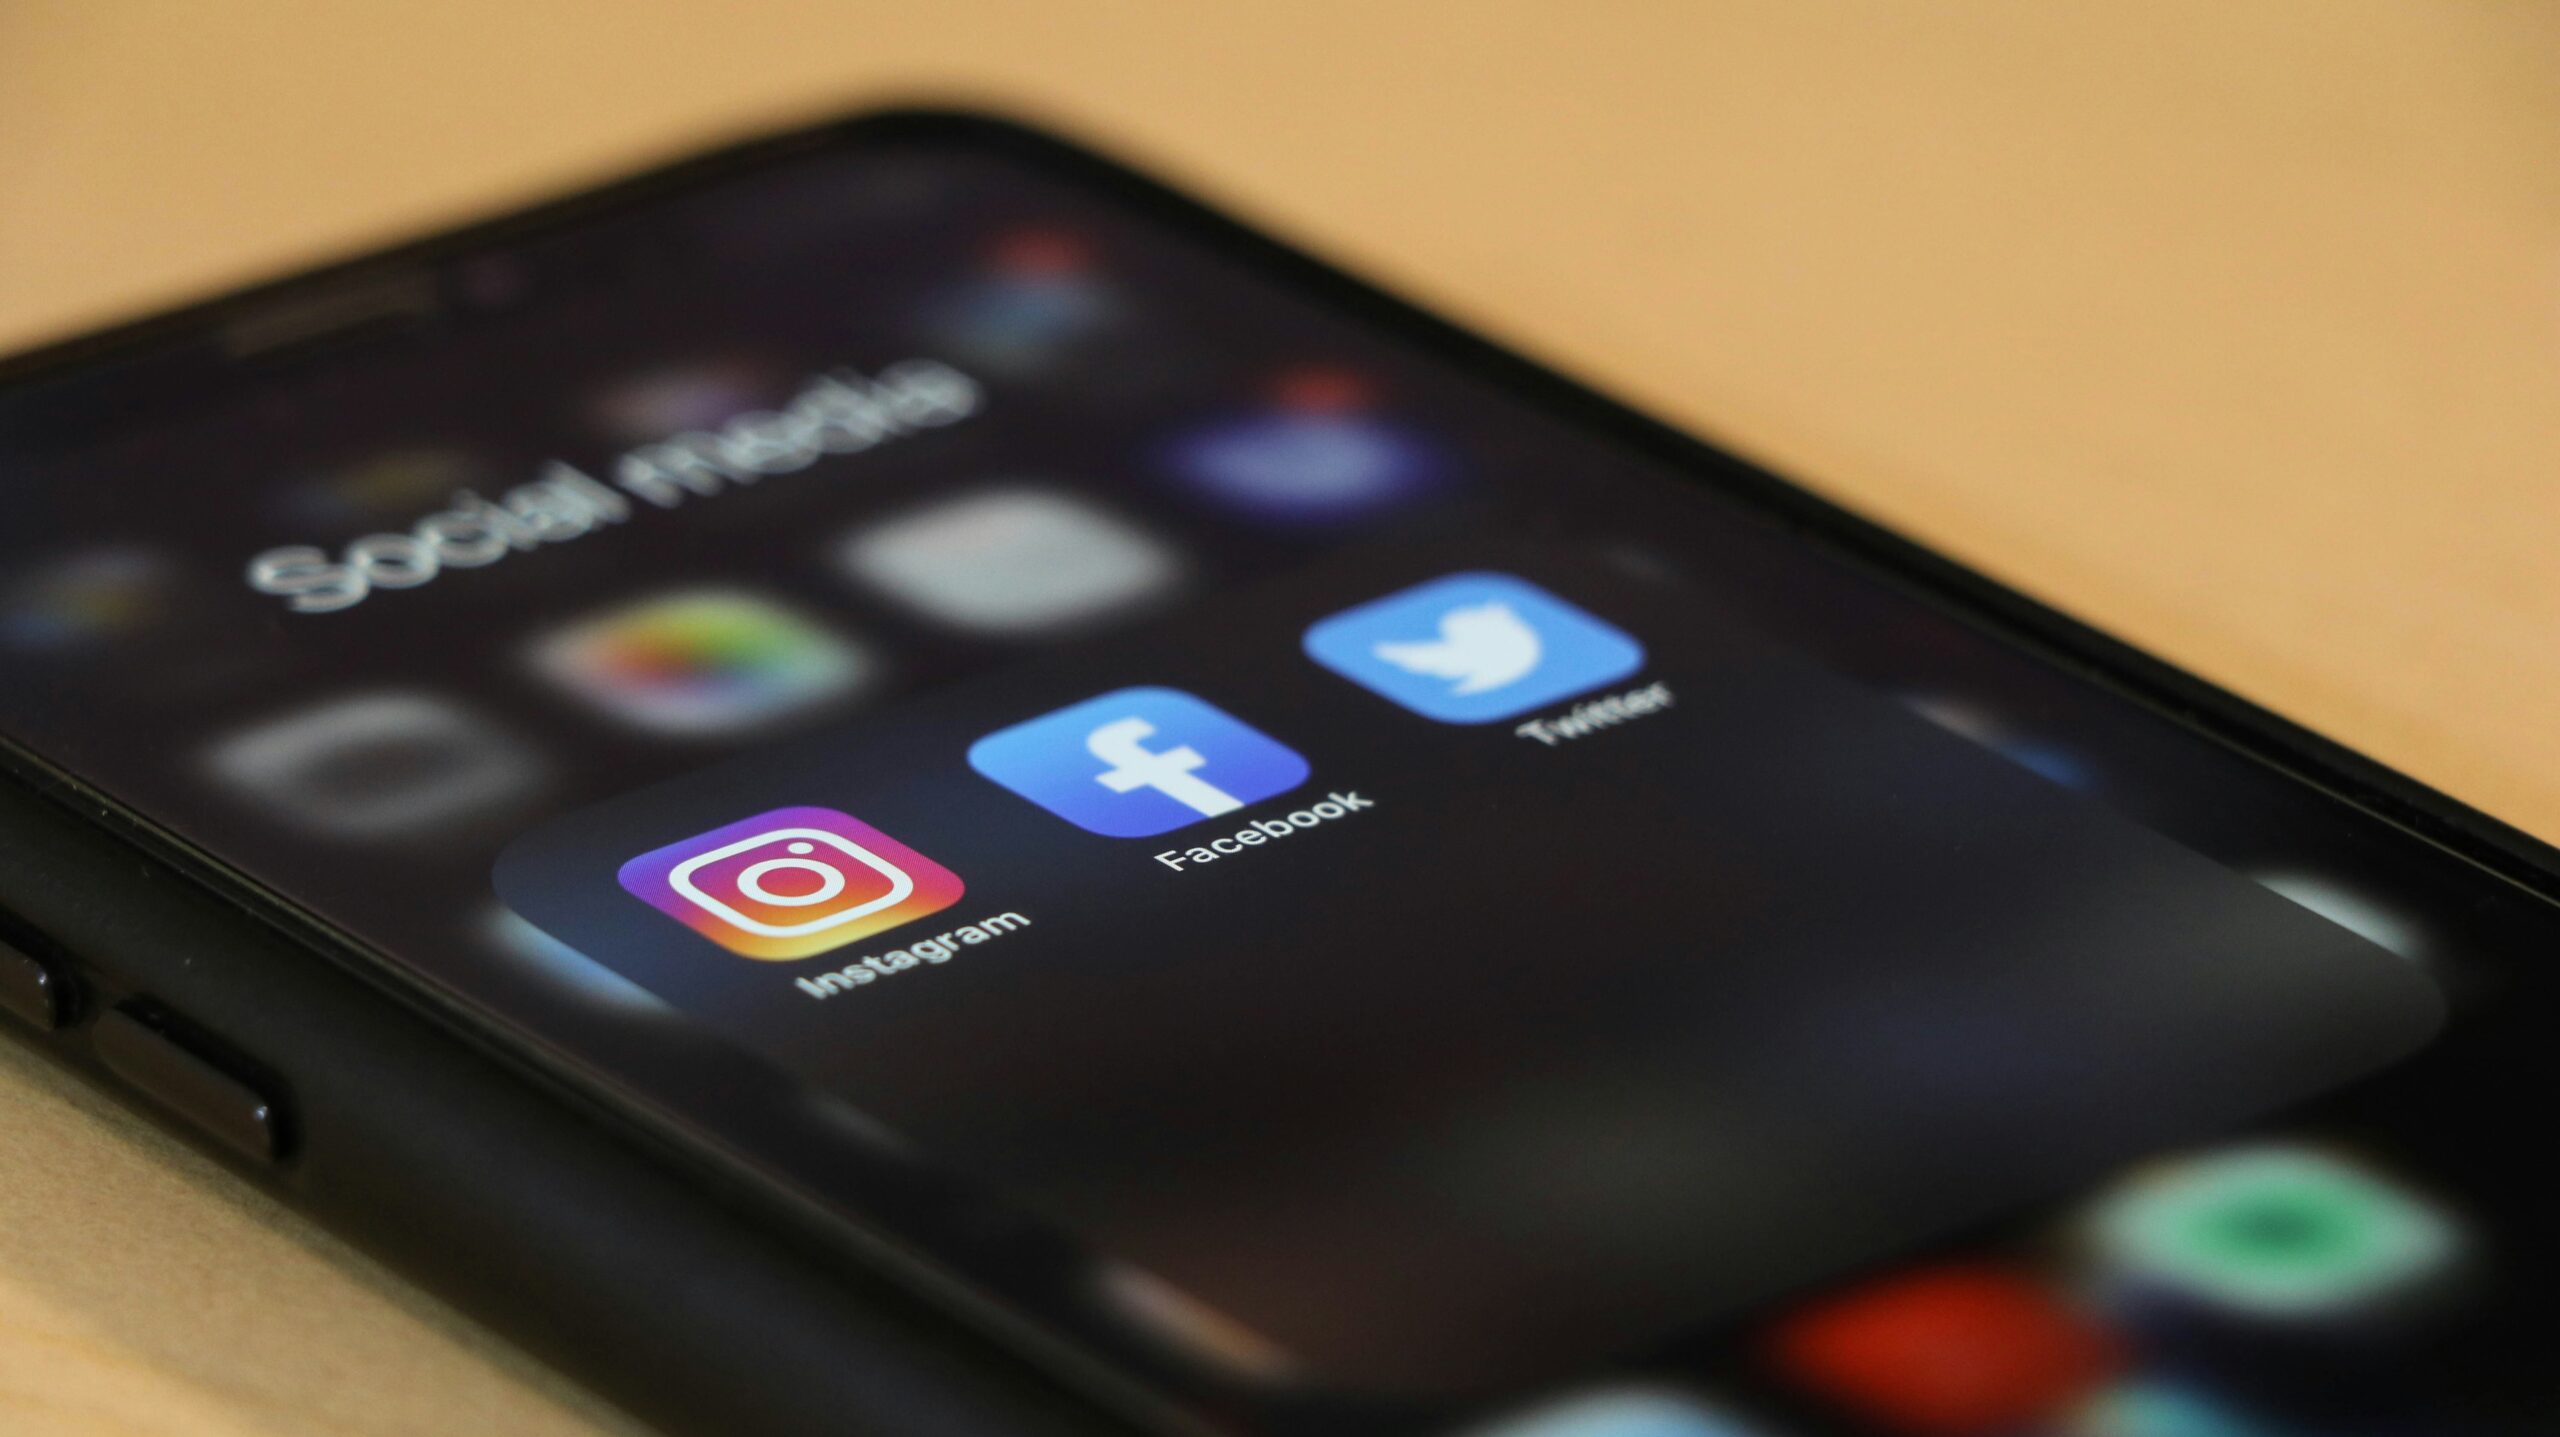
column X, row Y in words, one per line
column 227, row 1107
column 30, row 988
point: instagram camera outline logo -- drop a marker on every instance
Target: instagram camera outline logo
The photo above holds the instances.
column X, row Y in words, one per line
column 665, row 879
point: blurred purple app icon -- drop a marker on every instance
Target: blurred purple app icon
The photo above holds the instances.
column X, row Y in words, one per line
column 1316, row 451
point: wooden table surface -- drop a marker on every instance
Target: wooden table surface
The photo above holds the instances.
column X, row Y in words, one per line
column 2234, row 326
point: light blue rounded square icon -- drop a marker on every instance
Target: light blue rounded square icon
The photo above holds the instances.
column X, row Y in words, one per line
column 1473, row 648
column 1138, row 762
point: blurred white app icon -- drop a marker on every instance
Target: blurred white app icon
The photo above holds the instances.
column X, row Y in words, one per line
column 1013, row 562
column 375, row 765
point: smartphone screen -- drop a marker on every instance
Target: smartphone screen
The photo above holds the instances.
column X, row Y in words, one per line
column 1347, row 887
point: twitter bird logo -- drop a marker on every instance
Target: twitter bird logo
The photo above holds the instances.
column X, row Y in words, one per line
column 1473, row 647
column 1482, row 646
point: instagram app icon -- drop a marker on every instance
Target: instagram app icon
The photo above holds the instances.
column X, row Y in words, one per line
column 790, row 883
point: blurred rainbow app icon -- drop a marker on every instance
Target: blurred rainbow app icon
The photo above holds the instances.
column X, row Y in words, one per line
column 1473, row 648
column 701, row 663
column 790, row 883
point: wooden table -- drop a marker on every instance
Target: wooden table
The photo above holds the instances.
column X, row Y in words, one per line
column 2234, row 326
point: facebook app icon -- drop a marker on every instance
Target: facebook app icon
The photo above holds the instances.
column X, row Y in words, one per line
column 1138, row 762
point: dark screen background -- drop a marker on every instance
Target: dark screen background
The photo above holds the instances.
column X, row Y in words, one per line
column 1582, row 1215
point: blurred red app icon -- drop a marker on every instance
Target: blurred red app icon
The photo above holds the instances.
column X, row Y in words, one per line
column 1947, row 1351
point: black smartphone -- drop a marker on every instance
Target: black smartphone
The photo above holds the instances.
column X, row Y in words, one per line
column 1287, row 865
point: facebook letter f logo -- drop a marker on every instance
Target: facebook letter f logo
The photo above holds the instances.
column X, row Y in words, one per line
column 1138, row 762
column 1122, row 743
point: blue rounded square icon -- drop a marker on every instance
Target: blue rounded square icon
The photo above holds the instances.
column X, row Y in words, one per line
column 1473, row 648
column 1133, row 763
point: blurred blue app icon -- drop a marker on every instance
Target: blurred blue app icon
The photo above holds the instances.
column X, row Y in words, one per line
column 1138, row 762
column 1473, row 648
column 1038, row 295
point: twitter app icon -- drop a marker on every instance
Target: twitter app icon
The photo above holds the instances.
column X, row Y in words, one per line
column 1473, row 648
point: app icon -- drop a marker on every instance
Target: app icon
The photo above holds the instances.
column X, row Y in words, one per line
column 2276, row 1233
column 674, row 398
column 1619, row 1412
column 376, row 765
column 1948, row 1350
column 1037, row 297
column 1314, row 455
column 84, row 597
column 701, row 663
column 1138, row 762
column 790, row 883
column 1473, row 648
column 396, row 483
column 1013, row 563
